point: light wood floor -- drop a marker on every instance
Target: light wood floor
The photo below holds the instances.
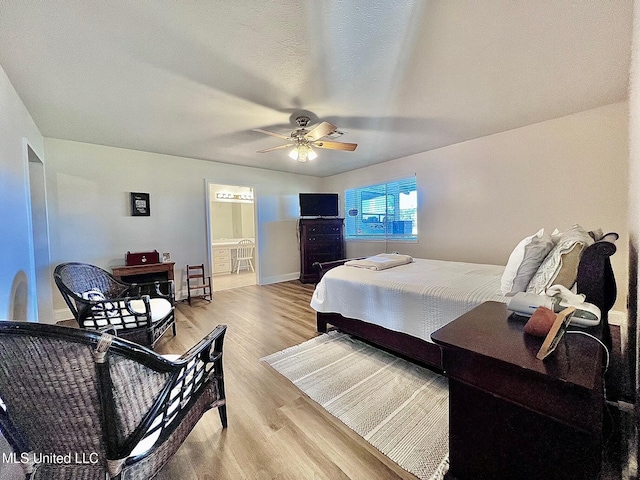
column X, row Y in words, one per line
column 275, row 431
column 233, row 280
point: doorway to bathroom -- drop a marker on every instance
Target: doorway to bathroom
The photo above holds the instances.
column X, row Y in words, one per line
column 232, row 227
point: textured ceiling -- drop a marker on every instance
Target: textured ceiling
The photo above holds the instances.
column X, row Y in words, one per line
column 398, row 77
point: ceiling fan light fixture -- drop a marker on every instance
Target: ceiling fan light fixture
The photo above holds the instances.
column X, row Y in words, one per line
column 312, row 155
column 303, row 153
column 302, row 140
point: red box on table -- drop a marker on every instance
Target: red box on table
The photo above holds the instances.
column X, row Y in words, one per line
column 142, row 258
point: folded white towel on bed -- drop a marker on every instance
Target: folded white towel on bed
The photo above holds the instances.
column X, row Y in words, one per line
column 381, row 261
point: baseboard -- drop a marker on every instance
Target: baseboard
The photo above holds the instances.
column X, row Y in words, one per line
column 182, row 294
column 280, row 278
column 62, row 314
column 616, row 317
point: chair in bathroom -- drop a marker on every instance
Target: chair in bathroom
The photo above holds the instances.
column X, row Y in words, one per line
column 244, row 255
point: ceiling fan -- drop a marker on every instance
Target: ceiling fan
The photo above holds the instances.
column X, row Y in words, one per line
column 302, row 140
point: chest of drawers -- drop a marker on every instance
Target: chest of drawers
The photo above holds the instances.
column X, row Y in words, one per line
column 321, row 240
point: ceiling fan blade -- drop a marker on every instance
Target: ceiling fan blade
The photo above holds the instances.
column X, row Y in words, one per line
column 322, row 130
column 336, row 145
column 279, row 147
column 273, row 134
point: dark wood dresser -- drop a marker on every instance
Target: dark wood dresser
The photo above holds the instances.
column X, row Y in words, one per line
column 321, row 240
column 145, row 273
column 512, row 415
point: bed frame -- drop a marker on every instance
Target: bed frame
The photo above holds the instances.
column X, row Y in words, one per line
column 595, row 280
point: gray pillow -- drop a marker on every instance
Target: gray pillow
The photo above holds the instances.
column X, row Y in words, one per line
column 524, row 262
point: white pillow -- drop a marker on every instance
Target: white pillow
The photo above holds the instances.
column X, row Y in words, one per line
column 524, row 262
column 160, row 308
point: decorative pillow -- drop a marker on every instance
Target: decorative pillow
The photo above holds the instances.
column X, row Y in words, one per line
column 524, row 262
column 561, row 265
column 102, row 309
column 569, row 262
column 540, row 322
column 93, row 295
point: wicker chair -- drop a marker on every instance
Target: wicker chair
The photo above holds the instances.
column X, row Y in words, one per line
column 77, row 404
column 140, row 312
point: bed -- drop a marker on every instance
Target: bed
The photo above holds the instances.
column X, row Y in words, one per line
column 398, row 308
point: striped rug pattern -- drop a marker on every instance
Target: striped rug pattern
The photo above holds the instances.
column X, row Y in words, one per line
column 398, row 407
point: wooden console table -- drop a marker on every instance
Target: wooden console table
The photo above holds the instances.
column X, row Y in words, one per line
column 124, row 271
column 512, row 415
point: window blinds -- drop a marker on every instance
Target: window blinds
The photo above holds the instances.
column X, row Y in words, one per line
column 382, row 211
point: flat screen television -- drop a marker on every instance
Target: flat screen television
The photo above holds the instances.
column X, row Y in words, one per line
column 318, row 204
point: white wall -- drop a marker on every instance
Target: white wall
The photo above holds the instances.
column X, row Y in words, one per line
column 478, row 199
column 88, row 193
column 17, row 130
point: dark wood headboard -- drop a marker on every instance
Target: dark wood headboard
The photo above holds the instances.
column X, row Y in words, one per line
column 595, row 275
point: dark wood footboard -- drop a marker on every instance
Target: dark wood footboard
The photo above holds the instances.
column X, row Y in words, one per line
column 407, row 346
column 412, row 348
column 324, row 267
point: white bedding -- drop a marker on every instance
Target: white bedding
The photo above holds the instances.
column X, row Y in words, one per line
column 417, row 298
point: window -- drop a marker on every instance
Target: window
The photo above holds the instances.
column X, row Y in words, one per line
column 384, row 211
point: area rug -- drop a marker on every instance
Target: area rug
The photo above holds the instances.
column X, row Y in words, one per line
column 398, row 407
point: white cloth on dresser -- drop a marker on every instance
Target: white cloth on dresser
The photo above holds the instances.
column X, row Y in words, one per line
column 381, row 261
